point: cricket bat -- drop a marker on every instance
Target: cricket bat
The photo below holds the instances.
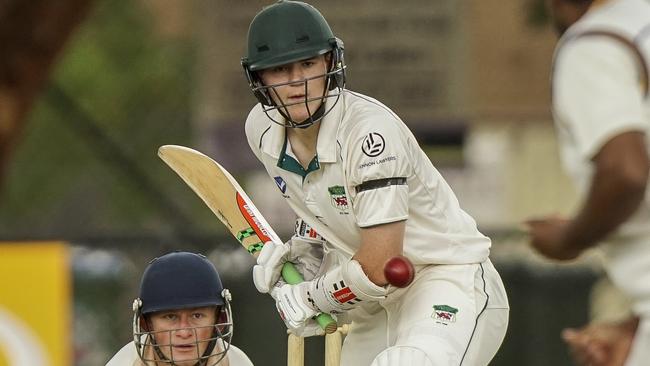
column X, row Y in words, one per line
column 228, row 201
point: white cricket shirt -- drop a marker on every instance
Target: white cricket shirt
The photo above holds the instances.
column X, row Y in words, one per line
column 598, row 94
column 368, row 170
column 128, row 356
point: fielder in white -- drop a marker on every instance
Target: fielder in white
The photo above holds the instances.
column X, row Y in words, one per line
column 602, row 115
column 364, row 192
column 182, row 317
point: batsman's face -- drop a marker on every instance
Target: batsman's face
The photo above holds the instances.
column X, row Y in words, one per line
column 299, row 86
column 183, row 335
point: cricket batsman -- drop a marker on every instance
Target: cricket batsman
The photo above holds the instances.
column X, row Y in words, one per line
column 355, row 175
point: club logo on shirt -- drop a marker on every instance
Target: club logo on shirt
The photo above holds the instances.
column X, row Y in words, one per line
column 282, row 185
column 373, row 144
column 444, row 314
column 338, row 197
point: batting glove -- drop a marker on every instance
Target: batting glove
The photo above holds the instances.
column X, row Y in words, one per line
column 269, row 265
column 305, row 253
column 293, row 306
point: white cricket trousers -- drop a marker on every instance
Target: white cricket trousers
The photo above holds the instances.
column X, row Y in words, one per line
column 456, row 314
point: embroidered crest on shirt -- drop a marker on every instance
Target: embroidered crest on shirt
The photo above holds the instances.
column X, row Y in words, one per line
column 338, row 197
column 373, row 144
column 444, row 314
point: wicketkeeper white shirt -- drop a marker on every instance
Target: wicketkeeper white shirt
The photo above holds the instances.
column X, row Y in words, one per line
column 128, row 356
column 598, row 93
column 368, row 170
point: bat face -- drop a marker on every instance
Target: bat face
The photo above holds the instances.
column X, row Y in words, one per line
column 222, row 194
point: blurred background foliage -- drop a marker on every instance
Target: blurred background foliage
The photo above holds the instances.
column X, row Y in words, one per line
column 118, row 93
column 537, row 13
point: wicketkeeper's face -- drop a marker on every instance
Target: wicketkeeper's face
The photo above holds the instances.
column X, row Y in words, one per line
column 297, row 88
column 183, row 335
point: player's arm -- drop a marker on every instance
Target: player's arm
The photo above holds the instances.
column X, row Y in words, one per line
column 378, row 244
column 599, row 104
column 345, row 286
column 342, row 288
column 610, row 137
column 617, row 190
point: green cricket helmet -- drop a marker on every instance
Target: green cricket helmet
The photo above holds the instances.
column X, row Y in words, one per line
column 287, row 32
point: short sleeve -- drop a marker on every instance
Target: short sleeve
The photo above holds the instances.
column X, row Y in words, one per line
column 378, row 167
column 596, row 92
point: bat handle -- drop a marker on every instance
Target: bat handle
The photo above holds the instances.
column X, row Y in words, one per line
column 293, row 277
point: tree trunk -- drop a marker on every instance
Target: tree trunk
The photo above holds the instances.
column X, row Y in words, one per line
column 32, row 35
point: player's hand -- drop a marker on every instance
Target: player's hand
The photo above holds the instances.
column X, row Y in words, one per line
column 548, row 237
column 266, row 272
column 601, row 344
column 293, row 305
column 584, row 348
column 307, row 256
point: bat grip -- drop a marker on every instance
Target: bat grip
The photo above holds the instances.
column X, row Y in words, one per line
column 291, row 275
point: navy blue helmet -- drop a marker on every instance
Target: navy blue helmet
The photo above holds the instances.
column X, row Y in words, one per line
column 178, row 281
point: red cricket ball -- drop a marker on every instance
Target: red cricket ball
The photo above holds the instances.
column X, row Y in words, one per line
column 399, row 271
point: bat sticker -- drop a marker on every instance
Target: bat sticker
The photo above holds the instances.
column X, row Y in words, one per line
column 252, row 219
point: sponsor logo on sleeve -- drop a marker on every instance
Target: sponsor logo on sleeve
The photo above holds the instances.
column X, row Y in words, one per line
column 373, row 144
column 370, row 163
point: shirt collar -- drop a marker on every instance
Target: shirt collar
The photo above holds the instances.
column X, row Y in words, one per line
column 326, row 144
column 275, row 135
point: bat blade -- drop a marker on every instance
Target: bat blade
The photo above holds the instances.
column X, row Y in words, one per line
column 222, row 194
column 230, row 203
